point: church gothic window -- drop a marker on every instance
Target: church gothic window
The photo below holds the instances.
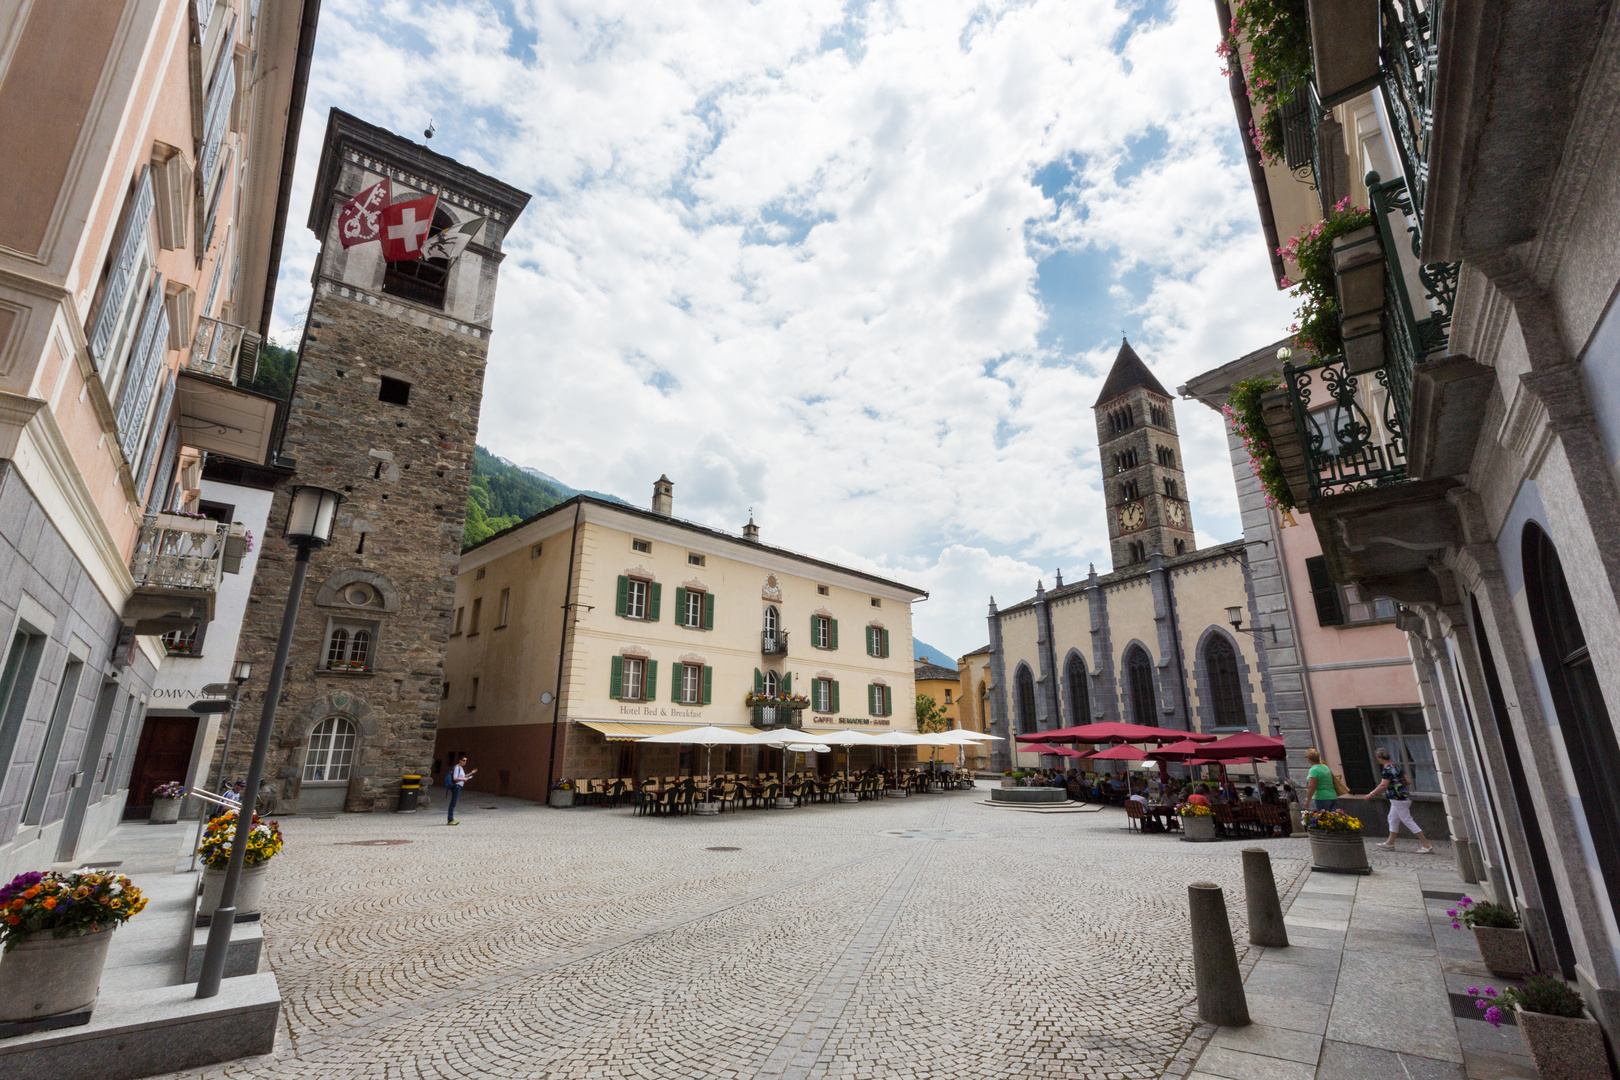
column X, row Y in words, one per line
column 1139, row 683
column 1074, row 676
column 1223, row 684
column 1026, row 700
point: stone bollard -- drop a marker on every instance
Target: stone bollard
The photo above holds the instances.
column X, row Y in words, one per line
column 1215, row 967
column 1265, row 910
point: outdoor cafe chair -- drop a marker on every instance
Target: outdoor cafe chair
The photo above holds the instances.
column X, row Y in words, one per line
column 1133, row 815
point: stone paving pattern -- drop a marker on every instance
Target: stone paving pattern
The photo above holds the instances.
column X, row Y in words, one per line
column 531, row 942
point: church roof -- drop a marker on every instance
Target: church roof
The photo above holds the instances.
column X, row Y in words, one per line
column 1128, row 373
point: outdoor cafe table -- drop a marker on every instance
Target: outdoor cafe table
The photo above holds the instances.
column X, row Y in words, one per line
column 1168, row 811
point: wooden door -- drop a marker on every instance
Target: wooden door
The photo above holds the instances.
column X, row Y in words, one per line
column 163, row 754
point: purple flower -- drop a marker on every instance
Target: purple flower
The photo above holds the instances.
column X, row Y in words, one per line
column 1481, row 1004
column 1490, row 991
column 1473, row 991
column 20, row 883
column 1493, row 1016
column 1453, row 913
column 1465, row 901
column 1456, row 926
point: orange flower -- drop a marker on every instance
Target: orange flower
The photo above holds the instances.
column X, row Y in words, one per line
column 81, row 892
column 13, row 920
column 31, row 892
column 17, row 903
column 49, row 902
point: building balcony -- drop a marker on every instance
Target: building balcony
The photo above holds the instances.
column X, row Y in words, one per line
column 778, row 710
column 1370, row 440
column 219, row 412
column 176, row 565
column 773, row 643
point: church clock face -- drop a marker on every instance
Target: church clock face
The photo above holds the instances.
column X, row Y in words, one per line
column 1176, row 513
column 1131, row 517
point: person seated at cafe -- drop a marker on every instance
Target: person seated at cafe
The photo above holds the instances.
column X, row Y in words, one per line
column 1198, row 797
column 1248, row 794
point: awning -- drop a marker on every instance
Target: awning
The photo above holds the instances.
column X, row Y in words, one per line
column 617, row 731
column 225, row 419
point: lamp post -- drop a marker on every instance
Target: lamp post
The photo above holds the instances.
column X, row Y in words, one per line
column 310, row 518
column 241, row 672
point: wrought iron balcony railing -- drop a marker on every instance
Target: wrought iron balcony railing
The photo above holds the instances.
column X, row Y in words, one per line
column 214, row 349
column 1354, row 421
column 1409, row 54
column 178, row 552
column 773, row 642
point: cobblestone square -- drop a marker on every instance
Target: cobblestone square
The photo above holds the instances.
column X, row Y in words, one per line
column 932, row 937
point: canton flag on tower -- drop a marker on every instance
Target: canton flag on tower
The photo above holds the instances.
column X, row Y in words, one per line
column 357, row 221
column 452, row 241
column 405, row 227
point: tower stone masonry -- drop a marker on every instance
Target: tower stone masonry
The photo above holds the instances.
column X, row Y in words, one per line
column 384, row 410
column 1144, row 482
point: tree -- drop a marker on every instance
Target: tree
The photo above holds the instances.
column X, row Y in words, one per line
column 930, row 717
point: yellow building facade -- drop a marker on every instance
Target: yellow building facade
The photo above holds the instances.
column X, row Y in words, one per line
column 595, row 623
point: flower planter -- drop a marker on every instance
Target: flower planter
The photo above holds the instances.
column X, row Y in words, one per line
column 1506, row 952
column 164, row 812
column 47, row 976
column 562, row 800
column 249, row 888
column 1562, row 1047
column 1198, row 828
column 1338, row 852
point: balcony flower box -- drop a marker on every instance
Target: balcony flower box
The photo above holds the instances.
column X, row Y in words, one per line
column 238, row 542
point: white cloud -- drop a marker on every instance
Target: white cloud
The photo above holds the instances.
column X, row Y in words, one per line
column 802, row 279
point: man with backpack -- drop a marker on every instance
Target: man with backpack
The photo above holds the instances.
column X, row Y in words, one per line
column 455, row 776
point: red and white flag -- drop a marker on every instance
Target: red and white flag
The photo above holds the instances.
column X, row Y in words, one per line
column 405, row 227
column 359, row 220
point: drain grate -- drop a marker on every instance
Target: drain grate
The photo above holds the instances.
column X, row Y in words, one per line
column 369, row 843
column 722, row 849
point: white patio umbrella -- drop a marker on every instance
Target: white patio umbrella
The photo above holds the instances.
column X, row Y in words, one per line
column 846, row 737
column 790, row 740
column 898, row 739
column 707, row 737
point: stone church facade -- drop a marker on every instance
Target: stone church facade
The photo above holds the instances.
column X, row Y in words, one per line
column 1151, row 642
column 385, row 409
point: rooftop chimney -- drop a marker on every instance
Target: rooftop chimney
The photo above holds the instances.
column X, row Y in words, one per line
column 750, row 530
column 663, row 496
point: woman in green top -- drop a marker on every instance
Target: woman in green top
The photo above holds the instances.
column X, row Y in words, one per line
column 1320, row 790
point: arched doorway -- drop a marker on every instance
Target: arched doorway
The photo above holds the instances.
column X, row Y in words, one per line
column 328, row 759
column 1583, row 716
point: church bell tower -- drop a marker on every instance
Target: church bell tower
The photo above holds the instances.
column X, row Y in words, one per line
column 1144, row 486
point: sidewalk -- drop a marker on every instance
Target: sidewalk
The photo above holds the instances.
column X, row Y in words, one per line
column 1372, row 984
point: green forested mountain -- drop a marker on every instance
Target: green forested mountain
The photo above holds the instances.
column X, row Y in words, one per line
column 504, row 494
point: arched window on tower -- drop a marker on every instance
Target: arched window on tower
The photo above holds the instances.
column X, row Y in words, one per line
column 1139, row 683
column 1074, row 679
column 1024, row 682
column 1583, row 715
column 1223, row 685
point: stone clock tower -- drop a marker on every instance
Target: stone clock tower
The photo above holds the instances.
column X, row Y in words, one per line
column 1143, row 483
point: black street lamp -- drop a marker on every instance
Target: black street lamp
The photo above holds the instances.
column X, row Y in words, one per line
column 1234, row 615
column 310, row 519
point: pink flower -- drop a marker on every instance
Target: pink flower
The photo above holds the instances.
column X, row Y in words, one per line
column 1490, row 991
column 1493, row 1016
column 1456, row 926
column 1473, row 991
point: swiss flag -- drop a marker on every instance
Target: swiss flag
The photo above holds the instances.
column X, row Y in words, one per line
column 405, row 228
column 357, row 221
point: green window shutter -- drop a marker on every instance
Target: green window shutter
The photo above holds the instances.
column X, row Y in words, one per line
column 787, row 683
column 677, row 682
column 680, row 605
column 616, row 680
column 1329, row 611
column 1355, row 756
column 871, row 636
column 834, row 634
column 759, row 681
column 835, row 695
column 885, row 643
column 815, row 631
column 624, row 595
column 708, row 611
column 871, row 699
column 708, row 684
column 650, row 691
column 759, row 716
column 652, row 604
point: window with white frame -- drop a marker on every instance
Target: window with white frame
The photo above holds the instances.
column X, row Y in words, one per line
column 330, row 754
column 642, row 546
column 349, row 646
column 772, row 682
column 773, row 622
column 826, row 696
column 635, row 675
column 823, row 632
column 691, row 684
column 635, row 599
column 692, row 616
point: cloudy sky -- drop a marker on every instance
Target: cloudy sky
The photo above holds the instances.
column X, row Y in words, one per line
column 857, row 267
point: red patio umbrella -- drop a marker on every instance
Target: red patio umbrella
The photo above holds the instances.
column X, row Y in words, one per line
column 1114, row 731
column 1245, row 744
column 1119, row 753
column 1176, row 751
